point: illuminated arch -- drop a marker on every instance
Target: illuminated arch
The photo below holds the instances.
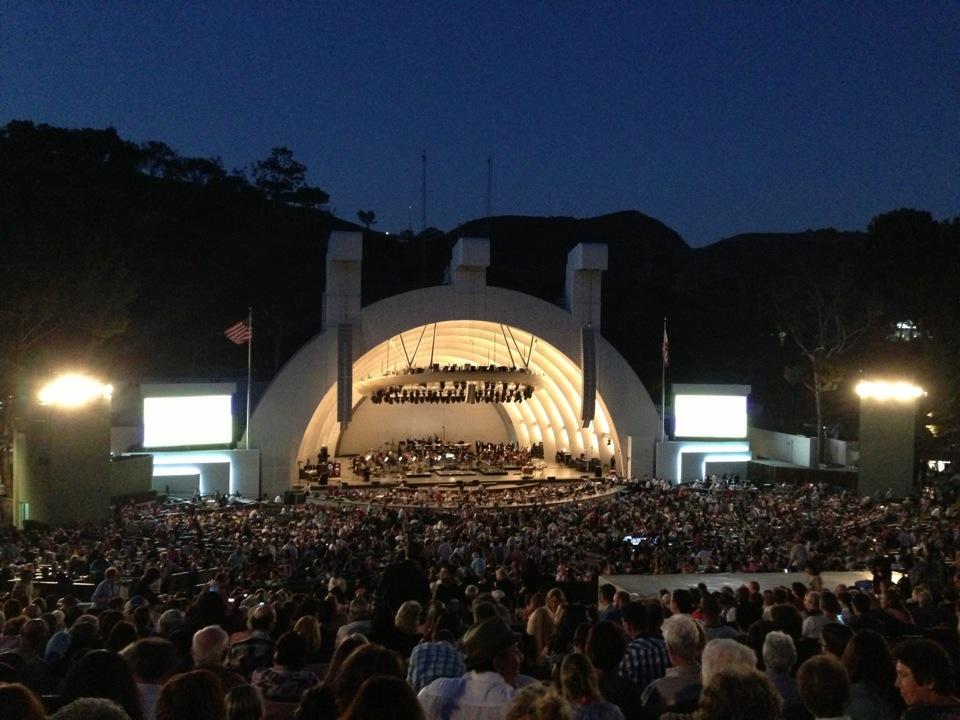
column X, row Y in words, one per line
column 297, row 414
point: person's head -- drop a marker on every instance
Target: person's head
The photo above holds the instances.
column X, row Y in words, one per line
column 682, row 636
column 725, row 653
column 103, row 674
column 384, row 696
column 867, row 659
column 824, row 686
column 408, row 616
column 91, row 709
column 681, row 601
column 606, row 645
column 359, row 609
column 244, row 703
column 33, row 636
column 538, row 702
column 342, row 652
column 924, row 671
column 170, row 622
column 739, row 693
column 209, row 647
column 290, row 652
column 122, row 634
column 788, row 619
column 16, row 701
column 262, row 618
column 607, row 593
column 491, row 646
column 111, row 574
column 308, row 628
column 555, row 598
column 152, row 660
column 834, row 638
column 195, row 695
column 577, row 679
column 779, row 652
column 363, row 663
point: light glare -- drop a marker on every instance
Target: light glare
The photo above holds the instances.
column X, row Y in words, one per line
column 73, row 391
column 887, row 390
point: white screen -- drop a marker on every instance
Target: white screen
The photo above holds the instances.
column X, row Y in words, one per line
column 710, row 416
column 194, row 421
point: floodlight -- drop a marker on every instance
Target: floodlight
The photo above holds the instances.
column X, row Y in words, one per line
column 73, row 391
column 899, row 390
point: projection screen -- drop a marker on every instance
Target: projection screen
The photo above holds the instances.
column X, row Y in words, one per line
column 187, row 421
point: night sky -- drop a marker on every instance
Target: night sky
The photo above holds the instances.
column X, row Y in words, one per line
column 716, row 118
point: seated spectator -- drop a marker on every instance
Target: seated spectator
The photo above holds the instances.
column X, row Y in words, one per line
column 407, row 620
column 714, row 626
column 606, row 645
column 107, row 590
column 738, row 693
column 122, row 634
column 579, row 686
column 436, row 658
column 103, row 674
column 91, row 709
column 244, row 703
column 36, row 672
column 824, row 687
column 537, row 702
column 358, row 613
column 195, row 695
column 493, row 664
column 873, row 695
column 209, row 650
column 720, row 654
column 816, row 619
column 153, row 661
column 646, row 657
column 384, row 696
column 286, row 681
column 543, row 620
column 679, row 689
column 17, row 702
column 925, row 678
column 834, row 639
column 256, row 649
column 779, row 657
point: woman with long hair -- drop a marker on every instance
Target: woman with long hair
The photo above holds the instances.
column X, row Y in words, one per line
column 872, row 670
column 579, row 686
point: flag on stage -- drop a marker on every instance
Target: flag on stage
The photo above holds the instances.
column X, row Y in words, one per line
column 666, row 347
column 239, row 333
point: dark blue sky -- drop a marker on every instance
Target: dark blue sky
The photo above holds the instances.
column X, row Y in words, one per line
column 716, row 118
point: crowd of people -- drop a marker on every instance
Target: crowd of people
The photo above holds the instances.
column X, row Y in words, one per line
column 448, row 608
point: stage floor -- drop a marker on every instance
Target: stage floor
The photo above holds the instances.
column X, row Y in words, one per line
column 651, row 585
column 550, row 472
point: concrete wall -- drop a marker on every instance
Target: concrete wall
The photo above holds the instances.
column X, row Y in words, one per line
column 220, row 471
column 886, row 446
column 374, row 425
column 682, row 460
column 796, row 449
column 62, row 465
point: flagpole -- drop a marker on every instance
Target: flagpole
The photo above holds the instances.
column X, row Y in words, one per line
column 663, row 386
column 249, row 369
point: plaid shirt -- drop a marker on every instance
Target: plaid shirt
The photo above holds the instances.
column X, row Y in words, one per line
column 432, row 660
column 646, row 660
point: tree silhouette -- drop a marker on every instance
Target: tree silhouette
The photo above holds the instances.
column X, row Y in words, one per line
column 279, row 174
column 825, row 312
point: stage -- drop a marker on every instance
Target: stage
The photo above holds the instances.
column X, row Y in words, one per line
column 651, row 585
column 492, row 478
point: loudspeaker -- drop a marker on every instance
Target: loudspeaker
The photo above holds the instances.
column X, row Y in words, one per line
column 344, row 372
column 588, row 365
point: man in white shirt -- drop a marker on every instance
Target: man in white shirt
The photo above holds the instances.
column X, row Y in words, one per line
column 492, row 659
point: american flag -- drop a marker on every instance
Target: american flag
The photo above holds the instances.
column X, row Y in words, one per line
column 239, row 333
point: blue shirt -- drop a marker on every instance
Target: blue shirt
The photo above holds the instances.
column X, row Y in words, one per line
column 432, row 660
